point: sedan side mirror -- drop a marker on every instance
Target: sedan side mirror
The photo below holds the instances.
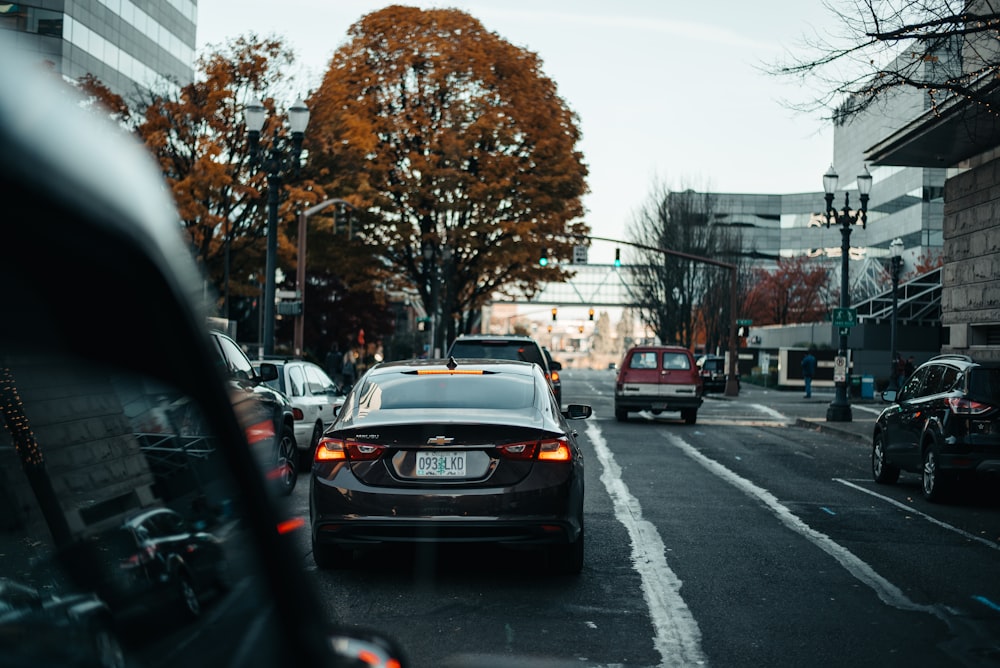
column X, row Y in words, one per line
column 577, row 412
column 268, row 371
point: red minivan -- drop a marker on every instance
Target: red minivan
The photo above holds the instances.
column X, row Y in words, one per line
column 657, row 379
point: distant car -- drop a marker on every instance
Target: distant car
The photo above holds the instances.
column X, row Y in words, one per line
column 943, row 424
column 712, row 369
column 503, row 347
column 314, row 393
column 268, row 412
column 658, row 379
column 473, row 450
column 158, row 560
column 555, row 374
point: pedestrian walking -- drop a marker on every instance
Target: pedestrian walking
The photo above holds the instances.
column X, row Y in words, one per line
column 335, row 364
column 898, row 371
column 349, row 369
column 808, row 370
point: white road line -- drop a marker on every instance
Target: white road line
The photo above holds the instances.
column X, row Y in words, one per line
column 913, row 511
column 677, row 636
column 770, row 411
column 889, row 593
column 867, row 409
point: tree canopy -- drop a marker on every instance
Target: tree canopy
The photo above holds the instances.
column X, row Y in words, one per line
column 460, row 150
column 198, row 135
column 943, row 48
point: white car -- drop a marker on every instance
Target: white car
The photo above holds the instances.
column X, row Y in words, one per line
column 312, row 391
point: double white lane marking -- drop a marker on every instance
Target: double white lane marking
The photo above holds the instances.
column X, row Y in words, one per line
column 677, row 635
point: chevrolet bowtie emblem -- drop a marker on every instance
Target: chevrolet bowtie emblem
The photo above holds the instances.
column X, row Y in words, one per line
column 439, row 440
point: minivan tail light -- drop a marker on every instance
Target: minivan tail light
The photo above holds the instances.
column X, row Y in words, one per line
column 963, row 406
column 555, row 450
column 524, row 450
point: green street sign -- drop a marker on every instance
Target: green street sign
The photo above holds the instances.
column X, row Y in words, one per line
column 845, row 317
column 744, row 323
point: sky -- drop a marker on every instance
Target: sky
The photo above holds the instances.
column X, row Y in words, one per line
column 668, row 93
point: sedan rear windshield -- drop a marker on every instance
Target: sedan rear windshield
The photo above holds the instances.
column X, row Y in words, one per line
column 492, row 391
column 498, row 350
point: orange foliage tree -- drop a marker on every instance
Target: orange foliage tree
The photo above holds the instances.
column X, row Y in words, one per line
column 458, row 149
column 796, row 291
column 198, row 136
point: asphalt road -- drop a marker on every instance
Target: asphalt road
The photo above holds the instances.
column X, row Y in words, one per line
column 743, row 540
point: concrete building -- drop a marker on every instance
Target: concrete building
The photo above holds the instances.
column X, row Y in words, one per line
column 124, row 43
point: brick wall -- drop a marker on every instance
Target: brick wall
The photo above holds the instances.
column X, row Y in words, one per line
column 970, row 291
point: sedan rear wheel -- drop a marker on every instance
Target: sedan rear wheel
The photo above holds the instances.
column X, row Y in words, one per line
column 331, row 557
column 882, row 472
column 567, row 558
column 189, row 596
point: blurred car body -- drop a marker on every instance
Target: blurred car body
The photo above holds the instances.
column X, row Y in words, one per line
column 471, row 450
column 311, row 391
column 712, row 369
column 61, row 629
column 108, row 411
column 658, row 379
column 943, row 424
column 555, row 374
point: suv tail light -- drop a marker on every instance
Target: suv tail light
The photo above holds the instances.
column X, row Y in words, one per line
column 963, row 406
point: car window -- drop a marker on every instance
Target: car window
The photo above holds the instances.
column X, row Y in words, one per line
column 950, row 379
column 318, row 382
column 676, row 361
column 643, row 360
column 491, row 391
column 505, row 350
column 296, row 381
column 237, row 361
column 913, row 386
column 932, row 381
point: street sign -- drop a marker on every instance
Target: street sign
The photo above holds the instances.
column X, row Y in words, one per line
column 579, row 255
column 744, row 323
column 845, row 317
column 840, row 369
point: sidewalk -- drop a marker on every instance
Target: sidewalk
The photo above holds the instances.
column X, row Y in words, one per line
column 811, row 413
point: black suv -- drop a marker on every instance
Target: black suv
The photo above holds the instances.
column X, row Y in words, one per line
column 505, row 347
column 944, row 423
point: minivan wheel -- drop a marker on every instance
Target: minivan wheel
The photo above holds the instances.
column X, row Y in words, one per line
column 882, row 472
column 934, row 481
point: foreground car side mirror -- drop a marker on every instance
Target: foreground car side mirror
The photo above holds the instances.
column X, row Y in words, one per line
column 577, row 412
column 889, row 396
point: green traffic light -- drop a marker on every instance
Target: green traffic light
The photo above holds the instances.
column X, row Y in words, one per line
column 543, row 261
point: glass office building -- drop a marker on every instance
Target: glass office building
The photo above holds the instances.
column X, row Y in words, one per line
column 124, row 43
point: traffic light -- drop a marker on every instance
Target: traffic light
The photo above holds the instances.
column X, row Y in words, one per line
column 618, row 257
column 550, row 329
column 590, row 314
column 341, row 222
column 581, row 329
column 543, row 261
column 742, row 330
column 554, row 311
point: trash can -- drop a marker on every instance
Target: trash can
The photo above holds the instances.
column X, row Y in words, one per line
column 867, row 387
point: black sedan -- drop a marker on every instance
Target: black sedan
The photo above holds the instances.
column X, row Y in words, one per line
column 433, row 451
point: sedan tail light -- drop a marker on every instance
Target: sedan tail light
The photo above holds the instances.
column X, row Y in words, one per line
column 522, row 451
column 336, row 449
column 555, row 450
column 963, row 406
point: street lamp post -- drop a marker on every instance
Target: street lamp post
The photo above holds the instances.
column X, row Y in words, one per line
column 839, row 409
column 896, row 266
column 277, row 164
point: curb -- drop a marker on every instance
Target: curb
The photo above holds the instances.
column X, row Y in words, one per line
column 823, row 427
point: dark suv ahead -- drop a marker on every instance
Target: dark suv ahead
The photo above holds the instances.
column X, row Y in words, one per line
column 505, row 347
column 944, row 423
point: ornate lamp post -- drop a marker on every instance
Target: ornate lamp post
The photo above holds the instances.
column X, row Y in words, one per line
column 896, row 266
column 277, row 164
column 839, row 409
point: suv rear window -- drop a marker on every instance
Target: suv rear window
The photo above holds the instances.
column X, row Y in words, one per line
column 984, row 384
column 498, row 350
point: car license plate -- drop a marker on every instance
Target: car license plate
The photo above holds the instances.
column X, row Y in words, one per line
column 441, row 465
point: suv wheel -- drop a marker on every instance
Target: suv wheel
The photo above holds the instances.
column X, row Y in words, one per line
column 935, row 484
column 621, row 414
column 882, row 472
column 690, row 415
